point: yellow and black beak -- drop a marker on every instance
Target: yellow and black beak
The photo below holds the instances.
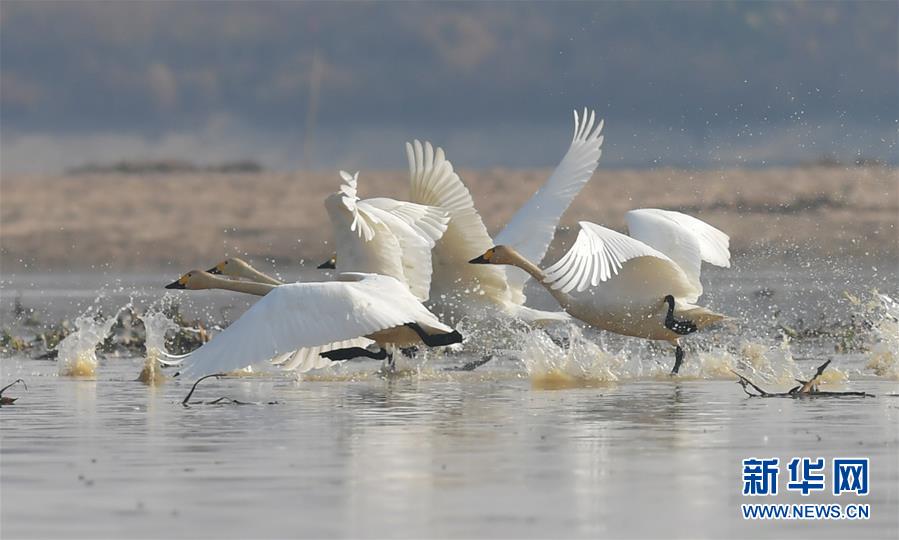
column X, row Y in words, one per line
column 217, row 269
column 180, row 283
column 483, row 259
column 330, row 264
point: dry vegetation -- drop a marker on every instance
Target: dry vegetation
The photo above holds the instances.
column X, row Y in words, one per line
column 186, row 220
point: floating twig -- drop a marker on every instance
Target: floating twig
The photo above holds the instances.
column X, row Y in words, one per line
column 807, row 388
column 471, row 366
column 223, row 399
column 10, row 400
column 194, row 387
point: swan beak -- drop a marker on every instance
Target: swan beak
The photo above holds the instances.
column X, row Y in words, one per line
column 330, row 264
column 216, row 270
column 178, row 284
column 483, row 259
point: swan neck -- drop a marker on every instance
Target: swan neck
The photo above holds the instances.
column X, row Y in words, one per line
column 564, row 299
column 248, row 287
column 517, row 259
column 262, row 277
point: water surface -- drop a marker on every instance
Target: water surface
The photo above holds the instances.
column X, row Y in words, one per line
column 431, row 454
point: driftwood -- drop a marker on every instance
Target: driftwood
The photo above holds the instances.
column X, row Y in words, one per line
column 471, row 366
column 186, row 402
column 10, row 400
column 806, row 389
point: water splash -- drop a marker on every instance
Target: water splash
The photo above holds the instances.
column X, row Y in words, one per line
column 78, row 351
column 156, row 325
column 883, row 358
column 583, row 363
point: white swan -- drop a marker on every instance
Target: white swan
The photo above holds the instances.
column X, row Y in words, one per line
column 326, row 318
column 239, row 268
column 384, row 236
column 457, row 286
column 643, row 285
column 301, row 360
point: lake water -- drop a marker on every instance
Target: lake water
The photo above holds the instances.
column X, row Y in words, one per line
column 539, row 442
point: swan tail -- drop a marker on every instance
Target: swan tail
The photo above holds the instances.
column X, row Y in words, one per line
column 537, row 316
column 701, row 316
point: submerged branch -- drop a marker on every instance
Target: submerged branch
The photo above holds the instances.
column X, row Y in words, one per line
column 9, row 400
column 807, row 389
column 218, row 401
column 194, row 387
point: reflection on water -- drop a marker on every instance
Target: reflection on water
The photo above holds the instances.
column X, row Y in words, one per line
column 438, row 454
column 577, row 433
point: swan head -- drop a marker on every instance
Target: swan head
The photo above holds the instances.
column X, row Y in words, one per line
column 194, row 280
column 330, row 264
column 670, row 301
column 233, row 266
column 495, row 255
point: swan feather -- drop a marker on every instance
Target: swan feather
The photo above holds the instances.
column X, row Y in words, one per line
column 304, row 315
column 532, row 228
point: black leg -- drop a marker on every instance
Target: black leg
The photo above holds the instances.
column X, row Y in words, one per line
column 353, row 352
column 678, row 359
column 391, row 363
column 435, row 340
column 471, row 366
column 680, row 327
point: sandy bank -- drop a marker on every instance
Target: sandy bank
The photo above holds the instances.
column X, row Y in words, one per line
column 191, row 220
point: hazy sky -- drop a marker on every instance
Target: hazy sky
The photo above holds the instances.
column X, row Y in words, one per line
column 686, row 84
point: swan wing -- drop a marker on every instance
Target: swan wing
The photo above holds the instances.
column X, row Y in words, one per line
column 433, row 182
column 309, row 358
column 362, row 223
column 597, row 255
column 362, row 240
column 307, row 315
column 532, row 228
column 408, row 249
column 686, row 240
column 428, row 221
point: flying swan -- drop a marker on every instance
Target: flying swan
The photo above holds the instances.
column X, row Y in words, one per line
column 643, row 285
column 384, row 236
column 457, row 286
column 241, row 269
column 324, row 318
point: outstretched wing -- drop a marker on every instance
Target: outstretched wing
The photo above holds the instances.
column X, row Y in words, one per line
column 686, row 240
column 362, row 224
column 417, row 228
column 428, row 221
column 362, row 241
column 532, row 228
column 309, row 358
column 305, row 315
column 596, row 256
column 433, row 182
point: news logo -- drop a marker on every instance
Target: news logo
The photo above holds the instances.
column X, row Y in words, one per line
column 761, row 477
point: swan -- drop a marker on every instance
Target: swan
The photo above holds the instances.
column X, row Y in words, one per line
column 643, row 285
column 384, row 236
column 333, row 319
column 457, row 286
column 301, row 360
column 239, row 268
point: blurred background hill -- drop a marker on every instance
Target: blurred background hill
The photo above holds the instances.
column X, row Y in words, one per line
column 317, row 85
column 150, row 221
column 150, row 134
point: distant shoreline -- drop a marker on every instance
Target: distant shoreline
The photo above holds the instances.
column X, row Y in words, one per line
column 149, row 222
